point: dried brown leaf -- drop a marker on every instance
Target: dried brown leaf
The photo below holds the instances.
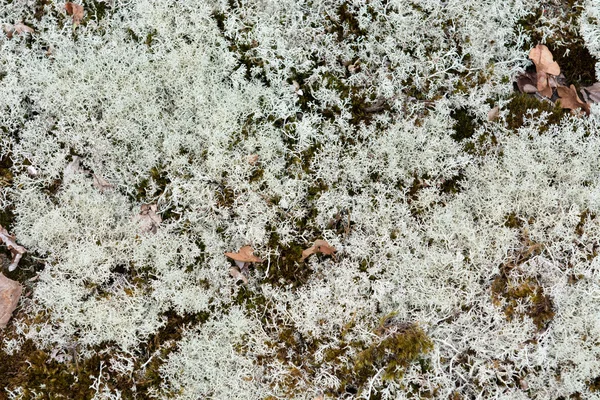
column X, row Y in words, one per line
column 10, row 291
column 526, row 81
column 74, row 10
column 570, row 99
column 16, row 250
column 320, row 246
column 17, row 28
column 237, row 275
column 543, row 60
column 244, row 255
column 592, row 93
column 493, row 114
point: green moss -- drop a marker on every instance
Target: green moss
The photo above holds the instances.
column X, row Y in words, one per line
column 510, row 293
column 394, row 354
column 96, row 9
column 521, row 103
column 465, row 124
column 286, row 269
column 34, row 369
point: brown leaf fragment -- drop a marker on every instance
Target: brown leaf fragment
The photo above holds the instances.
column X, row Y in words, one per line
column 543, row 60
column 591, row 94
column 526, row 82
column 16, row 250
column 320, row 246
column 570, row 99
column 22, row 28
column 18, row 28
column 10, row 291
column 237, row 275
column 244, row 255
column 74, row 10
column 101, row 184
column 493, row 114
column 150, row 220
column 527, row 88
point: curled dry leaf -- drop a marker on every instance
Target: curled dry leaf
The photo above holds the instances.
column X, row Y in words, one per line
column 22, row 28
column 150, row 220
column 526, row 81
column 237, row 275
column 570, row 99
column 544, row 66
column 10, row 291
column 243, row 256
column 493, row 114
column 543, row 60
column 242, row 259
column 74, row 10
column 320, row 246
column 591, row 93
column 16, row 250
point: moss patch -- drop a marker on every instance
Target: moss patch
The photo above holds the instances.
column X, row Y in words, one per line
column 522, row 104
column 519, row 295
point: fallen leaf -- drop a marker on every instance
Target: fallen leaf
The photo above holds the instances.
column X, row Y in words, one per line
column 17, row 28
column 591, row 93
column 150, row 220
column 10, row 291
column 543, row 60
column 544, row 66
column 244, row 255
column 237, row 275
column 493, row 114
column 16, row 250
column 101, row 184
column 320, row 246
column 526, row 81
column 527, row 88
column 570, row 99
column 75, row 10
column 22, row 28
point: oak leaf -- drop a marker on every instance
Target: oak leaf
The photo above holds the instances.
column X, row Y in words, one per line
column 570, row 99
column 526, row 82
column 320, row 246
column 10, row 291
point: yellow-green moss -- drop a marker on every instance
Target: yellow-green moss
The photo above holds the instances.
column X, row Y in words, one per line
column 394, row 354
